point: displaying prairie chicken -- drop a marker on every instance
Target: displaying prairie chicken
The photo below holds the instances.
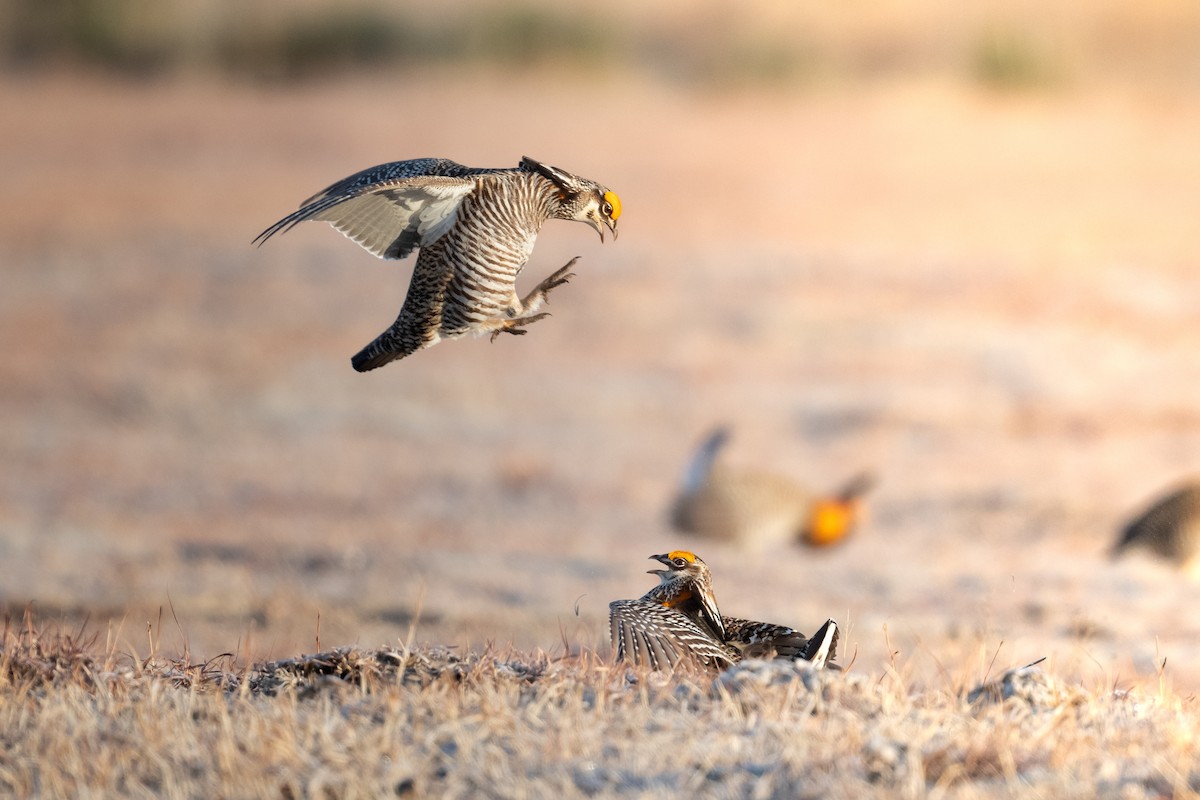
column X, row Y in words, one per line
column 758, row 509
column 1169, row 528
column 475, row 229
column 679, row 621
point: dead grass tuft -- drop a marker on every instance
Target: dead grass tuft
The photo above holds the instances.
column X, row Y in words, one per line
column 366, row 670
column 32, row 659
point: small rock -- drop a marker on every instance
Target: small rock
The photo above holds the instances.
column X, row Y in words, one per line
column 1029, row 685
column 885, row 760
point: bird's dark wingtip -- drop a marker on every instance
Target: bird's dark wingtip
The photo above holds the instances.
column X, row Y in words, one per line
column 282, row 225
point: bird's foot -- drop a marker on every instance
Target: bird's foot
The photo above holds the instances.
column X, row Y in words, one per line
column 517, row 326
column 541, row 292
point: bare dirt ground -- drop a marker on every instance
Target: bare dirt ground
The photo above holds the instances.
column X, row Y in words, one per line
column 989, row 300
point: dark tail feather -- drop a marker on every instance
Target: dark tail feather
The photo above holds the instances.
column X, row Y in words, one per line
column 365, row 360
column 857, row 486
column 383, row 350
column 822, row 647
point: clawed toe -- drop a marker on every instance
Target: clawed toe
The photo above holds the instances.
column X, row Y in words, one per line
column 517, row 326
column 543, row 289
column 560, row 276
column 556, row 279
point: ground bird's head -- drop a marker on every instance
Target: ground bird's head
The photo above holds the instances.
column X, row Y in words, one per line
column 582, row 200
column 685, row 584
column 680, row 564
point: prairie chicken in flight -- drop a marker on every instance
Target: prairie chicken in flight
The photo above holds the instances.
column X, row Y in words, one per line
column 759, row 510
column 679, row 620
column 1169, row 528
column 475, row 229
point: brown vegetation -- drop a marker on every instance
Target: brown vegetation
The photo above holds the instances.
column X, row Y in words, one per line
column 399, row 722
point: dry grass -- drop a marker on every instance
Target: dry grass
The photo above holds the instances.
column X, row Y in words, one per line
column 76, row 720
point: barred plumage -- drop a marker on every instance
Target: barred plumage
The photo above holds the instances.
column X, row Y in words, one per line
column 758, row 509
column 475, row 228
column 679, row 620
column 766, row 640
column 661, row 637
column 1169, row 528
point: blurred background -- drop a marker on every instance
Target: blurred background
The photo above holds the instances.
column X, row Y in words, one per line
column 954, row 245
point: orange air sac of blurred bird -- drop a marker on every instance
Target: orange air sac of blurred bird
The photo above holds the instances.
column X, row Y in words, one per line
column 757, row 509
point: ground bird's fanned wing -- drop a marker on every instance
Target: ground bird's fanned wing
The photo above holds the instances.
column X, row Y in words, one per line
column 387, row 219
column 637, row 639
column 653, row 635
column 397, row 171
column 390, row 221
column 393, row 175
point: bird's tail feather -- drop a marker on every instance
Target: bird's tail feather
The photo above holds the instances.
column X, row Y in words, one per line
column 385, row 349
column 822, row 647
column 365, row 360
column 856, row 486
column 701, row 464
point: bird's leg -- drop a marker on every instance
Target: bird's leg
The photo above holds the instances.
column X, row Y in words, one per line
column 533, row 301
column 517, row 326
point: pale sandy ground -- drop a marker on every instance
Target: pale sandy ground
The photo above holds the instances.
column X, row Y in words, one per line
column 990, row 300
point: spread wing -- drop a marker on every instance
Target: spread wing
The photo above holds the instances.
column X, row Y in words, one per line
column 390, row 209
column 653, row 635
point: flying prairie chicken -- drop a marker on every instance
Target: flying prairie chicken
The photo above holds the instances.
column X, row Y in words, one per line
column 678, row 621
column 759, row 509
column 475, row 229
column 1169, row 528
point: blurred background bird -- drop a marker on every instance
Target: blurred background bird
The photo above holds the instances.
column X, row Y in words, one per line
column 757, row 509
column 1169, row 528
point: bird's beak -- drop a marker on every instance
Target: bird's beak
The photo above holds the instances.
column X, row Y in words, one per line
column 663, row 559
column 599, row 224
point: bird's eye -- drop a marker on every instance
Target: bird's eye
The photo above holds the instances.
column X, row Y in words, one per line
column 612, row 205
column 679, row 562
